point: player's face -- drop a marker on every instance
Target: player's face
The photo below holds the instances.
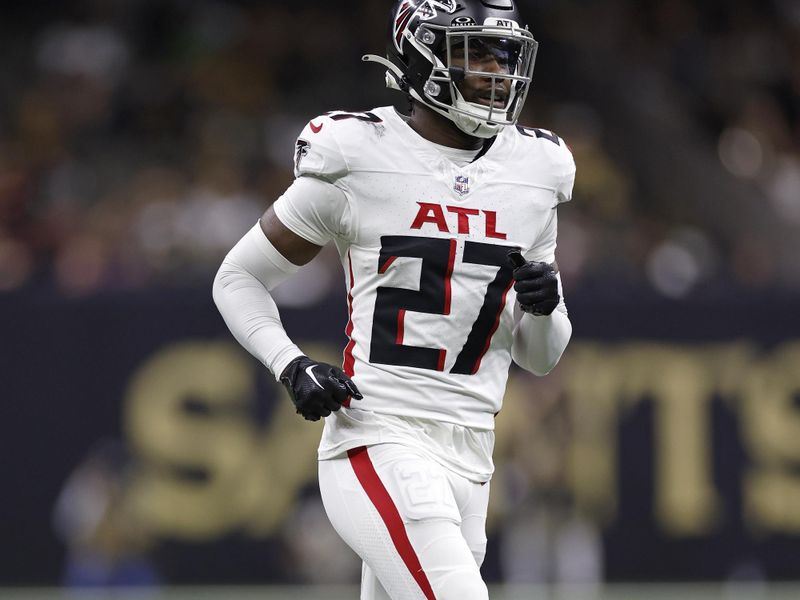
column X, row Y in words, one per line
column 491, row 56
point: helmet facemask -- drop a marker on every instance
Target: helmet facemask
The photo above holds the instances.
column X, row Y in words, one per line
column 498, row 59
column 428, row 58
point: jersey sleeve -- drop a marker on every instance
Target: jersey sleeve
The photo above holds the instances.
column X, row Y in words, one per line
column 317, row 151
column 563, row 165
column 315, row 209
column 566, row 180
column 544, row 250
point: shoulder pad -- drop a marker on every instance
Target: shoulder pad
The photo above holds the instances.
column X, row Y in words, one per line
column 560, row 156
column 318, row 150
column 550, row 142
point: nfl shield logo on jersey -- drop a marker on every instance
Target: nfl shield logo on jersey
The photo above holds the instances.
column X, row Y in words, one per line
column 461, row 185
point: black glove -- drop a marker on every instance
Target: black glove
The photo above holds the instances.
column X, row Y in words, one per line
column 316, row 388
column 536, row 285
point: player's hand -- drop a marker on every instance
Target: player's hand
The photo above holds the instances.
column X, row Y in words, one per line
column 536, row 285
column 317, row 389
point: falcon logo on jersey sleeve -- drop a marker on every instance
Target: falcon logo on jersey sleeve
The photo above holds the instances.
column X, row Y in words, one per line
column 301, row 149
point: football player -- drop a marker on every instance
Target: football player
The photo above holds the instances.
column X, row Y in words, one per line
column 442, row 220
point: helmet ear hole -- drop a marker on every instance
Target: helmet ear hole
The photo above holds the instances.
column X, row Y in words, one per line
column 426, row 36
column 433, row 89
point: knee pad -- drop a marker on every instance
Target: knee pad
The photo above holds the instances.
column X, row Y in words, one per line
column 478, row 552
column 461, row 585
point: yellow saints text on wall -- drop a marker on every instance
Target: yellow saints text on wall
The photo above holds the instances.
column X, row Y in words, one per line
column 209, row 468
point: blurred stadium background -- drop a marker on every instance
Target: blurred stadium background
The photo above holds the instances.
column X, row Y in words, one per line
column 139, row 139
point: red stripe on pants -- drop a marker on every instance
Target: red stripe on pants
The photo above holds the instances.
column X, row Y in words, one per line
column 380, row 498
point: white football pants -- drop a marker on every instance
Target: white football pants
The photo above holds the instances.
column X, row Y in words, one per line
column 418, row 527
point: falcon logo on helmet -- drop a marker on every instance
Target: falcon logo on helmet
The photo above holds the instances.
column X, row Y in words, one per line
column 435, row 46
column 409, row 11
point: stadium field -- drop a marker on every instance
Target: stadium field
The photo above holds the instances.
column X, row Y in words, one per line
column 710, row 591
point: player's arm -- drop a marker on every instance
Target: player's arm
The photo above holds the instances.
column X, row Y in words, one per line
column 544, row 331
column 268, row 254
column 291, row 246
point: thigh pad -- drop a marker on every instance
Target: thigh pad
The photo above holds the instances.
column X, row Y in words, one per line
column 420, row 487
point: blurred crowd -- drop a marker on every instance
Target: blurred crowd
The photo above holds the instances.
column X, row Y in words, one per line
column 684, row 117
column 140, row 138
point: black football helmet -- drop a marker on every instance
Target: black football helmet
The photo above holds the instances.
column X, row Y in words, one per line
column 435, row 44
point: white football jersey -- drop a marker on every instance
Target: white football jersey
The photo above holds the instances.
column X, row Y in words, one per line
column 424, row 246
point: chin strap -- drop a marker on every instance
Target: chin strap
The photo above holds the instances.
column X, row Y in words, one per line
column 395, row 80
